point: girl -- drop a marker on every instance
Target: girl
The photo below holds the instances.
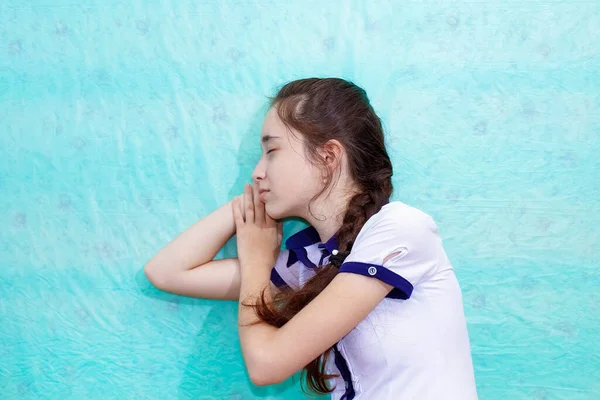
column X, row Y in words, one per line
column 364, row 300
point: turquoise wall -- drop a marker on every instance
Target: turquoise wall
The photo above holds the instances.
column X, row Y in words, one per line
column 122, row 123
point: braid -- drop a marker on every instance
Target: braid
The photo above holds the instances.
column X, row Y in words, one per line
column 360, row 208
column 337, row 259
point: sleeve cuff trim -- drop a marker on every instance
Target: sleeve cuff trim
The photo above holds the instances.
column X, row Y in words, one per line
column 402, row 288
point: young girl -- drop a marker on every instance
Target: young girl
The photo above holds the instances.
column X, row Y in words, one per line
column 364, row 300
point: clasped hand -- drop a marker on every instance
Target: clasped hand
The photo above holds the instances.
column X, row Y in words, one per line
column 258, row 235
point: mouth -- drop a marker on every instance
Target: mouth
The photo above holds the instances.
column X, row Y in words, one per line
column 262, row 194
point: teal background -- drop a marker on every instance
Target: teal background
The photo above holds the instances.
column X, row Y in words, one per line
column 123, row 123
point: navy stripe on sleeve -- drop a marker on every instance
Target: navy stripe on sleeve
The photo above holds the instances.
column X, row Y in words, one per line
column 402, row 288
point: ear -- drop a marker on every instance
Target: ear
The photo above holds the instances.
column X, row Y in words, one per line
column 332, row 153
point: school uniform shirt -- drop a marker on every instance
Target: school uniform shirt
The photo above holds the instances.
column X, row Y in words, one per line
column 414, row 345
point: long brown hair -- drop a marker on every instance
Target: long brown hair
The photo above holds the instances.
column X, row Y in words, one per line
column 323, row 109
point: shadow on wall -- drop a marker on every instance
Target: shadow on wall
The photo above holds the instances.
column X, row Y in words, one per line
column 214, row 365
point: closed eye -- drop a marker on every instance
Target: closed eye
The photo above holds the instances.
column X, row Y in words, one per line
column 270, row 151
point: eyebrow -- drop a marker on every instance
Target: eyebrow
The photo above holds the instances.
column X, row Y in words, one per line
column 266, row 138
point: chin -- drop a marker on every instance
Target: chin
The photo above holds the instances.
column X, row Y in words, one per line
column 273, row 213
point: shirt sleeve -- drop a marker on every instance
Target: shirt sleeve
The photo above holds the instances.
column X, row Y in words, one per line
column 282, row 275
column 409, row 235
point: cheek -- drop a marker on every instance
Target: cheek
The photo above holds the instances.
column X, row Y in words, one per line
column 279, row 173
column 291, row 179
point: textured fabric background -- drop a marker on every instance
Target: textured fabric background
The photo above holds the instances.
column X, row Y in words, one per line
column 122, row 123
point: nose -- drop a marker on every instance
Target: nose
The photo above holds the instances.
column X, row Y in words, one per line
column 259, row 171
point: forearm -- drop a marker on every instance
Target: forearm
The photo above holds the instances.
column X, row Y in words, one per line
column 198, row 244
column 254, row 339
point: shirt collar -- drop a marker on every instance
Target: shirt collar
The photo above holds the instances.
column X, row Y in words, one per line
column 308, row 237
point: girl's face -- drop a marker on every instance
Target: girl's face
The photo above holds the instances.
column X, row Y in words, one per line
column 283, row 170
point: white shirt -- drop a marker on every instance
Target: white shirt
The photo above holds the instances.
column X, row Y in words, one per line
column 414, row 345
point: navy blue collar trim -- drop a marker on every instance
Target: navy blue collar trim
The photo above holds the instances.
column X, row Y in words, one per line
column 308, row 237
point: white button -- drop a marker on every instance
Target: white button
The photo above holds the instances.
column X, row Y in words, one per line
column 334, row 252
column 372, row 270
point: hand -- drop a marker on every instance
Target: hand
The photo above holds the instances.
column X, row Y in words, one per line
column 258, row 235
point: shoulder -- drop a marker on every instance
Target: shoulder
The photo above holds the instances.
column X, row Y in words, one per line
column 399, row 208
column 398, row 245
column 400, row 217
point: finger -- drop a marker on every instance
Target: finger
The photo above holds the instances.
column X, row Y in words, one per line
column 237, row 216
column 269, row 221
column 250, row 203
column 259, row 207
column 244, row 203
column 242, row 206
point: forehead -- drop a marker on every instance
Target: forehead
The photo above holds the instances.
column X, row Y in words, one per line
column 272, row 122
column 273, row 127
